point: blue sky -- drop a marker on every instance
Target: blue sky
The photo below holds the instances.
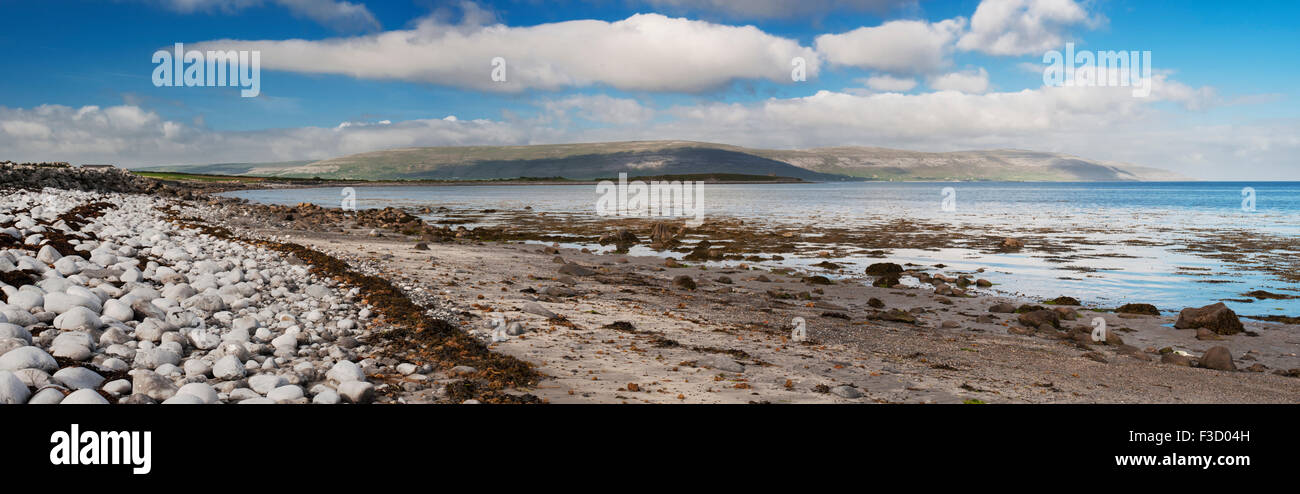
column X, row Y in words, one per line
column 948, row 75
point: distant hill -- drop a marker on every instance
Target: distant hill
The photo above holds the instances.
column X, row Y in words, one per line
column 655, row 158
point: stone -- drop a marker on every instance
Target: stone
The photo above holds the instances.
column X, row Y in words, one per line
column 576, row 270
column 1172, row 358
column 345, row 371
column 264, row 383
column 12, row 390
column 357, row 391
column 15, row 331
column 149, row 383
column 84, row 397
column 28, row 357
column 204, row 339
column 326, row 397
column 1038, row 318
column 228, row 367
column 1144, row 309
column 59, row 302
column 1215, row 317
column 537, row 309
column 26, row 300
column 846, row 391
column 183, row 399
column 47, row 396
column 1218, row 358
column 78, row 319
column 203, row 391
column 197, row 368
column 118, row 387
column 118, row 311
column 884, row 269
column 285, row 394
column 721, row 363
column 79, row 378
column 684, row 282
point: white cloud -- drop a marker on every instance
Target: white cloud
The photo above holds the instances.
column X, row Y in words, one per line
column 767, row 9
column 1021, row 27
column 889, row 83
column 970, row 81
column 335, row 14
column 645, row 52
column 602, row 108
column 896, row 46
column 1094, row 122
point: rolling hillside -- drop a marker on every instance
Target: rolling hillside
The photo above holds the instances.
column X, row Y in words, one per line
column 644, row 158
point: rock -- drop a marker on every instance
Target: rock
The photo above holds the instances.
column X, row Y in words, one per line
column 79, row 378
column 421, row 246
column 264, row 383
column 1204, row 334
column 622, row 239
column 887, row 281
column 229, row 367
column 1218, row 358
column 537, row 309
column 202, row 391
column 12, row 390
column 183, row 399
column 406, row 369
column 357, row 391
column 327, row 397
column 1064, row 300
column 204, row 339
column 846, row 391
column 285, row 394
column 118, row 311
column 684, row 282
column 1012, row 244
column 721, row 363
column 1037, row 318
column 78, row 319
column 28, row 357
column 26, row 299
column 462, row 370
column 884, row 269
column 345, row 371
column 59, row 302
column 15, row 331
column 118, row 387
column 48, row 255
column 1215, row 317
column 152, row 358
column 1146, row 309
column 1175, row 359
column 576, row 270
column 875, row 303
column 1002, row 308
column 197, row 368
column 149, row 383
column 47, row 396
column 84, row 397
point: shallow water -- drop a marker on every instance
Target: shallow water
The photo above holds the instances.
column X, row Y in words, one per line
column 1134, row 231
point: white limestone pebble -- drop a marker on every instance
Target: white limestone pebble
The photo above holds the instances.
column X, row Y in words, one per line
column 345, row 371
column 28, row 357
column 79, row 378
column 228, row 367
column 285, row 394
column 84, row 397
column 12, row 390
column 204, row 392
column 357, row 391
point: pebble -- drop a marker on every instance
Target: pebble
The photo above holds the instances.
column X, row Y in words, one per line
column 79, row 378
column 12, row 390
column 84, row 397
column 357, row 391
column 28, row 357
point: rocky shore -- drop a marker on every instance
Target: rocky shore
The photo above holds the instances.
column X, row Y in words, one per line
column 114, row 297
column 119, row 290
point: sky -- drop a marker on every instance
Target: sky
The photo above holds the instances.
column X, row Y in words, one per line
column 341, row 77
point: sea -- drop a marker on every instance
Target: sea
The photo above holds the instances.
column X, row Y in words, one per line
column 1129, row 239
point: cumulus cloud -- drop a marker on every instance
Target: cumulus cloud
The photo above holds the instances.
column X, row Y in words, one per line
column 645, row 52
column 1021, row 27
column 335, row 14
column 970, row 81
column 896, row 46
column 889, row 83
column 601, row 108
column 768, row 9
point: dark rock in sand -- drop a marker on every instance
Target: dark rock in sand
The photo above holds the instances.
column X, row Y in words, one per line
column 1063, row 300
column 421, row 246
column 1097, row 356
column 726, row 280
column 664, row 234
column 895, row 315
column 1204, row 334
column 875, row 303
column 763, row 279
column 622, row 240
column 1039, row 317
column 1175, row 359
column 558, row 291
column 984, row 319
column 1257, row 367
column 1216, row 317
column 1146, row 309
column 576, row 270
column 1218, row 358
column 1003, row 308
column 983, row 283
column 1066, row 313
column 884, row 269
column 1011, row 244
column 887, row 281
column 818, row 280
column 684, row 282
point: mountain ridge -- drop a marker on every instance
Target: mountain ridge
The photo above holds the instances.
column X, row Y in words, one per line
column 680, row 157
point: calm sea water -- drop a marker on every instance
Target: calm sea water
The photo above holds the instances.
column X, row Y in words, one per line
column 1139, row 228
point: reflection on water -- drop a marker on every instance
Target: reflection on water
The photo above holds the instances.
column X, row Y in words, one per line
column 1127, row 237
